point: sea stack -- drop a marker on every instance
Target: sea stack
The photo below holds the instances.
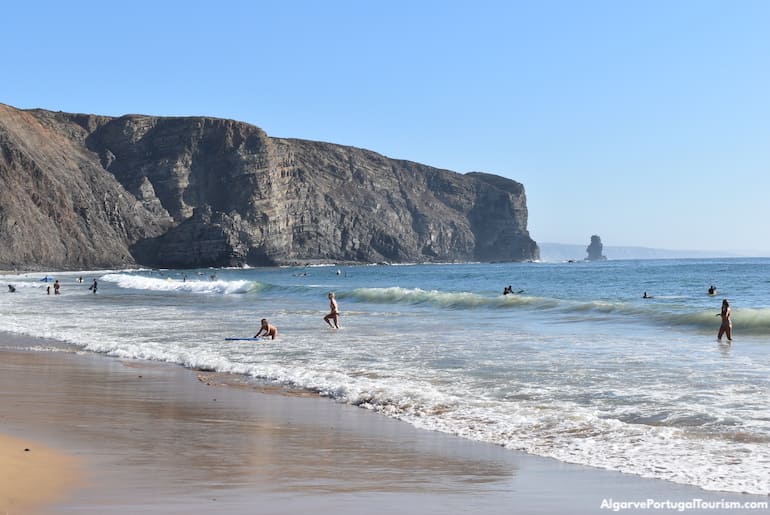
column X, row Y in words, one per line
column 595, row 249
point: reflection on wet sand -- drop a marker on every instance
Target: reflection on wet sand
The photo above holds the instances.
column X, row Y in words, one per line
column 176, row 427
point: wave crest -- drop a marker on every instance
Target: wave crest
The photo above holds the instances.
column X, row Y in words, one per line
column 442, row 299
column 755, row 321
column 138, row 282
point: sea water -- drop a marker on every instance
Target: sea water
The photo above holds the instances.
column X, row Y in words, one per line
column 575, row 365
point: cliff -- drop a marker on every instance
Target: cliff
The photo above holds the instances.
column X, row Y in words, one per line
column 85, row 191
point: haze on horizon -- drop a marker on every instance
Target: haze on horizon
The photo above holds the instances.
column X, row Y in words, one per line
column 645, row 123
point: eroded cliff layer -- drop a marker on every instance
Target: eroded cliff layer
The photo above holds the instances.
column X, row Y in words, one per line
column 85, row 191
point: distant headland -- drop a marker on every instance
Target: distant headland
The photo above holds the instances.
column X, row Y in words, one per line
column 557, row 252
column 82, row 191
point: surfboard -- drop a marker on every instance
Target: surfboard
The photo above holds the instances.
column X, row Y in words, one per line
column 243, row 339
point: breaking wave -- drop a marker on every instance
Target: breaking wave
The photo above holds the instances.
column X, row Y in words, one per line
column 137, row 282
column 442, row 299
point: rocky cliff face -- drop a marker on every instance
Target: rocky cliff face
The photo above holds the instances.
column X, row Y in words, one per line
column 82, row 191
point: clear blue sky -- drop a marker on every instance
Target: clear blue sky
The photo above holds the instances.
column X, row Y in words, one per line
column 646, row 122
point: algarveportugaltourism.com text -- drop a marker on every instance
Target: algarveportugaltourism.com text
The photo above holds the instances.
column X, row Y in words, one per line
column 693, row 504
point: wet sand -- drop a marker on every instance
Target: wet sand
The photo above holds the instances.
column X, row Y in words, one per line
column 158, row 438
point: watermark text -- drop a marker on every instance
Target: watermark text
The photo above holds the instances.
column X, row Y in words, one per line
column 682, row 506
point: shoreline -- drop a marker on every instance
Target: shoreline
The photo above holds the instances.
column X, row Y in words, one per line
column 156, row 437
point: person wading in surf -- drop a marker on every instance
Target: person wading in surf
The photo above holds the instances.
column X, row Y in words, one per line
column 269, row 330
column 334, row 315
column 727, row 324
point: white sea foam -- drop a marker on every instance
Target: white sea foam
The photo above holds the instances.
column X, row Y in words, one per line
column 169, row 284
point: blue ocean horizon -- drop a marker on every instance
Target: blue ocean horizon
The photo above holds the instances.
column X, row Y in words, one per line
column 557, row 252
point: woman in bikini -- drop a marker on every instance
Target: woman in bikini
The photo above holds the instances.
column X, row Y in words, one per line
column 727, row 324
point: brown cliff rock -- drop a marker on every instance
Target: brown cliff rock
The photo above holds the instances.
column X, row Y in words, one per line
column 84, row 191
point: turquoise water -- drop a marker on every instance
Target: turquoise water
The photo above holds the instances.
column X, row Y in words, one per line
column 578, row 366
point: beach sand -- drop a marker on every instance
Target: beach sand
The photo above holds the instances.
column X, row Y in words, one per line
column 157, row 438
column 33, row 476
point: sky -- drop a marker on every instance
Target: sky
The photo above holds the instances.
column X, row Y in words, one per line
column 644, row 122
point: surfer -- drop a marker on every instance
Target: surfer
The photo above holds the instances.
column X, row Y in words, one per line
column 334, row 314
column 93, row 286
column 712, row 290
column 727, row 324
column 645, row 296
column 11, row 289
column 508, row 289
column 269, row 330
column 56, row 287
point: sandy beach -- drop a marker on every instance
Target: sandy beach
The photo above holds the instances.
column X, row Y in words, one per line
column 128, row 437
column 33, row 476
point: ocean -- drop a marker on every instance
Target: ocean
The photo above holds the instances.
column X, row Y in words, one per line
column 575, row 365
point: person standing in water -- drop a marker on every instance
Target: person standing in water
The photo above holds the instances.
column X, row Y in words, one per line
column 727, row 324
column 334, row 315
column 269, row 330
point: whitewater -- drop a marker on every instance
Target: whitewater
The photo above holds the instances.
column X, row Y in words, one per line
column 576, row 365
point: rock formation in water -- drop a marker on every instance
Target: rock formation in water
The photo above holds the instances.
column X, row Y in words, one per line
column 595, row 249
column 85, row 191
